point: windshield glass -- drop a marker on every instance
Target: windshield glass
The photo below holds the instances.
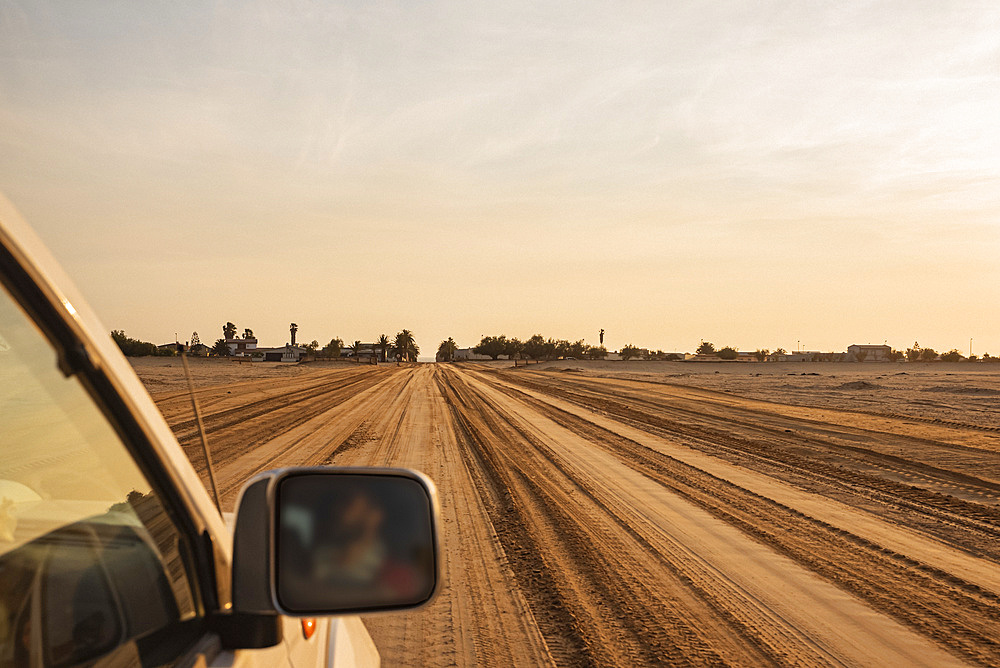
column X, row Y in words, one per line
column 88, row 557
column 61, row 458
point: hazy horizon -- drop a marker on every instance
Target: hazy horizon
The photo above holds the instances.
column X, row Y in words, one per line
column 761, row 176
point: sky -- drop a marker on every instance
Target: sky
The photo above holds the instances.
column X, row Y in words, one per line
column 761, row 175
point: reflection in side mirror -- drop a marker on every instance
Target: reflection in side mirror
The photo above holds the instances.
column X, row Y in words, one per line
column 353, row 540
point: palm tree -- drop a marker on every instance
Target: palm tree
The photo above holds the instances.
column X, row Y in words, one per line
column 405, row 346
column 446, row 351
column 383, row 345
column 356, row 347
column 221, row 349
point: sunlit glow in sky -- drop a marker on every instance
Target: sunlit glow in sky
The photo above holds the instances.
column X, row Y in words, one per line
column 753, row 174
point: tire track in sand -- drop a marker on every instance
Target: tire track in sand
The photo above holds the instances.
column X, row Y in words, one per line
column 480, row 617
column 956, row 614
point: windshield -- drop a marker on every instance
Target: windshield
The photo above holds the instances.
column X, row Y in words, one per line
column 88, row 556
column 60, row 455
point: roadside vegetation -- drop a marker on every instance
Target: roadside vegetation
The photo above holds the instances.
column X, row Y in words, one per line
column 537, row 348
column 541, row 348
column 404, row 345
column 136, row 348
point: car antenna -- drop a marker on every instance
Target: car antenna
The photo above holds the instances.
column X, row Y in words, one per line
column 201, row 428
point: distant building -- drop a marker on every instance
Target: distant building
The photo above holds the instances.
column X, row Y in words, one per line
column 199, row 350
column 868, row 353
column 368, row 352
column 797, row 356
column 285, row 353
column 244, row 347
column 702, row 357
column 466, row 355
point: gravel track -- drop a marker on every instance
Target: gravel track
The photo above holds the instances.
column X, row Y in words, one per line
column 601, row 521
column 959, row 507
column 959, row 614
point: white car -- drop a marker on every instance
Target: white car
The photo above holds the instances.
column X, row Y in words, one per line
column 113, row 553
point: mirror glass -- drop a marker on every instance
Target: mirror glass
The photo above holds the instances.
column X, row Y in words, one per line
column 351, row 542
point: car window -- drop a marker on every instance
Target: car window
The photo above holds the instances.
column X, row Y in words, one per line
column 89, row 559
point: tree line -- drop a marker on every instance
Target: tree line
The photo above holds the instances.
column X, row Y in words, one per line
column 404, row 345
column 915, row 353
column 537, row 347
column 135, row 348
column 540, row 348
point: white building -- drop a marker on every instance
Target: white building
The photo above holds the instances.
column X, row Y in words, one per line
column 369, row 353
column 868, row 353
column 797, row 356
column 466, row 355
column 285, row 353
column 242, row 347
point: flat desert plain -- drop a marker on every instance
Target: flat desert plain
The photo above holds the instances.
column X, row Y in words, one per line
column 641, row 513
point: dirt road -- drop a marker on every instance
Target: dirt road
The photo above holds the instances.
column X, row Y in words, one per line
column 602, row 521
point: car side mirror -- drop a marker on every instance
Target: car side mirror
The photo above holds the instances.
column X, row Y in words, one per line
column 327, row 541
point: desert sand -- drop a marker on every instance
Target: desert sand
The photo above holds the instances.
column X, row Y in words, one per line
column 655, row 513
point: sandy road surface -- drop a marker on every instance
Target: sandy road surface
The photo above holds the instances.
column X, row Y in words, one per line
column 605, row 521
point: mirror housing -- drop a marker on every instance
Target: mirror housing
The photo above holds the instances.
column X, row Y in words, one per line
column 330, row 541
